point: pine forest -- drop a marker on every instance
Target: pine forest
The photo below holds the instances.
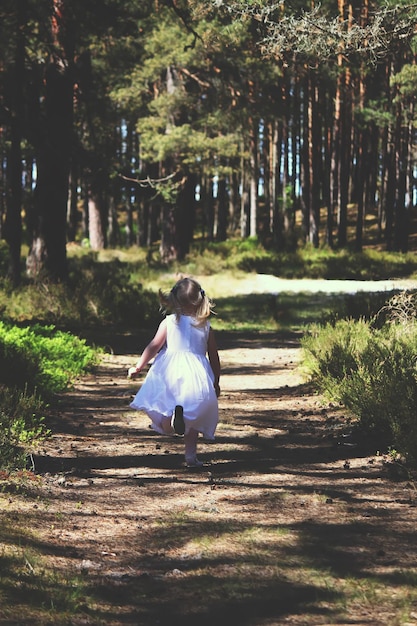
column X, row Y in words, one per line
column 151, row 122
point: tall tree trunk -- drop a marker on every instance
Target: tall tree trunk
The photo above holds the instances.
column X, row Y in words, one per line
column 327, row 103
column 274, row 151
column 305, row 180
column 344, row 161
column 295, row 146
column 390, row 193
column 234, row 203
column 47, row 252
column 335, row 149
column 287, row 238
column 409, row 181
column 343, row 145
column 244, row 201
column 184, row 214
column 401, row 167
column 313, row 161
column 95, row 223
column 13, row 224
column 167, row 248
column 253, row 178
column 72, row 216
column 48, row 224
column 222, row 207
column 361, row 169
column 207, row 203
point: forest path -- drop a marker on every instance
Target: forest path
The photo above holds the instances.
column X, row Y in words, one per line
column 284, row 525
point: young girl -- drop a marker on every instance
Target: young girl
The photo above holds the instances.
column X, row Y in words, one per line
column 180, row 391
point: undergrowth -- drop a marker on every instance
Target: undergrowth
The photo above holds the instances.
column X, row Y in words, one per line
column 36, row 362
column 249, row 255
column 370, row 366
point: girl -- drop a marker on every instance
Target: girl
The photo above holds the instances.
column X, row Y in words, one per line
column 180, row 391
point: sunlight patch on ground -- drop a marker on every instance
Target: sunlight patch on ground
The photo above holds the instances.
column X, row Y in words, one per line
column 264, row 283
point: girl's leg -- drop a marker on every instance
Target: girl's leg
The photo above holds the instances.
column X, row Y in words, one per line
column 166, row 426
column 190, row 442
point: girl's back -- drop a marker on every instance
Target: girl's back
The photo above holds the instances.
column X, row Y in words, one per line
column 184, row 336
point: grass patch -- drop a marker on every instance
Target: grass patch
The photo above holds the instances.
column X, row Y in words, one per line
column 242, row 256
column 292, row 312
column 119, row 287
column 30, row 590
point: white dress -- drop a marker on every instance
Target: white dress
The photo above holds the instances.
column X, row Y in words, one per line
column 181, row 374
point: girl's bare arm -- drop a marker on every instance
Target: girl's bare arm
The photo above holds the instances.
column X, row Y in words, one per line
column 214, row 359
column 151, row 349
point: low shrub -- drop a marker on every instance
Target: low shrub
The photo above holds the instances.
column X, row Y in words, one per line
column 41, row 358
column 35, row 363
column 372, row 371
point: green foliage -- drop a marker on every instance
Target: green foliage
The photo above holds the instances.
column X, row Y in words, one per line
column 373, row 372
column 406, row 81
column 249, row 255
column 331, row 352
column 35, row 363
column 41, row 359
column 98, row 293
column 119, row 288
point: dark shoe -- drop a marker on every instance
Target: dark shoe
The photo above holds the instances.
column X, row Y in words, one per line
column 177, row 422
column 193, row 463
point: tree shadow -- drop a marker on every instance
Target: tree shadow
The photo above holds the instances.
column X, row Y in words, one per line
column 286, row 461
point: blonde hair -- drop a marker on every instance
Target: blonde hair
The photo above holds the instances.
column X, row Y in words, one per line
column 187, row 298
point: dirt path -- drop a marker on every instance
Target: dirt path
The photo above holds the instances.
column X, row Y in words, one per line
column 280, row 527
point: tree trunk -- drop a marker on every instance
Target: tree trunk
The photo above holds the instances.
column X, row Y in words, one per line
column 401, row 167
column 13, row 223
column 305, row 163
column 207, row 202
column 344, row 161
column 271, row 190
column 390, row 192
column 167, row 249
column 48, row 220
column 184, row 213
column 222, row 207
column 253, row 178
column 72, row 217
column 312, row 163
column 234, row 203
column 97, row 212
column 361, row 170
column 244, row 201
column 327, row 103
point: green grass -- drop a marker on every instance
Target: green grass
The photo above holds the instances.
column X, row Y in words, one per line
column 32, row 590
column 119, row 287
column 242, row 256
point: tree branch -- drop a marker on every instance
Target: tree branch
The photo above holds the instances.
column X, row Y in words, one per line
column 149, row 182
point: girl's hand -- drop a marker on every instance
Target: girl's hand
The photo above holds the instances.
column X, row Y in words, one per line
column 132, row 372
